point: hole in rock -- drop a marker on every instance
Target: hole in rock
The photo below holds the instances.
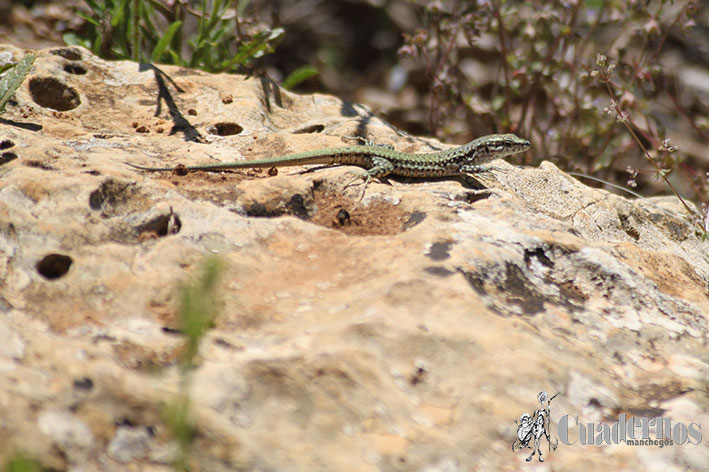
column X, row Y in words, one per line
column 225, row 129
column 68, row 53
column 74, row 68
column 54, row 266
column 51, row 93
column 162, row 225
column 310, row 129
column 6, row 157
column 83, row 383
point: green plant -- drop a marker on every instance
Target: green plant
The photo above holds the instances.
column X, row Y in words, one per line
column 198, row 309
column 547, row 89
column 211, row 38
column 20, row 462
column 197, row 313
column 217, row 37
column 11, row 79
column 664, row 162
column 178, row 418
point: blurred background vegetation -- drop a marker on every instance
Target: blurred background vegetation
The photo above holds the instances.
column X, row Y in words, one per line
column 616, row 90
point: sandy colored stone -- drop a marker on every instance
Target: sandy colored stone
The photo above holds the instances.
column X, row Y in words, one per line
column 408, row 333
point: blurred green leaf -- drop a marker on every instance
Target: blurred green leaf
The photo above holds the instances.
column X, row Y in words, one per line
column 89, row 19
column 165, row 41
column 298, row 76
column 262, row 41
column 72, row 39
column 198, row 309
column 242, row 6
column 119, row 12
column 21, row 463
column 12, row 79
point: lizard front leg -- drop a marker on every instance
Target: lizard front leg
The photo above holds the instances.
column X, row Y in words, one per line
column 474, row 169
column 380, row 168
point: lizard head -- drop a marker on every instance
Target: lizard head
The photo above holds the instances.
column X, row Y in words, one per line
column 494, row 146
column 497, row 146
column 502, row 145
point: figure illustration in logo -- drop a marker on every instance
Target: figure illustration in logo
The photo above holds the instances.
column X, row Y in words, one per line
column 534, row 427
column 524, row 432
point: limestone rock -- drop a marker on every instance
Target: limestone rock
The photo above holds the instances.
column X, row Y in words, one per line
column 405, row 331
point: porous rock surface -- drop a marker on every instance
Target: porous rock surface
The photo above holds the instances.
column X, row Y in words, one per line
column 405, row 331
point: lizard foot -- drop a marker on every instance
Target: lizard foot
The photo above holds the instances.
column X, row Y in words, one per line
column 365, row 177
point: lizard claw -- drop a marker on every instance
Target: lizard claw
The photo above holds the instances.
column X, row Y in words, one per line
column 363, row 176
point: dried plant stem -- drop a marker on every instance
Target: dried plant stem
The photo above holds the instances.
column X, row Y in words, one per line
column 505, row 66
column 660, row 171
column 135, row 21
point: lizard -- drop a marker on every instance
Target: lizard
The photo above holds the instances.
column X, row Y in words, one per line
column 381, row 161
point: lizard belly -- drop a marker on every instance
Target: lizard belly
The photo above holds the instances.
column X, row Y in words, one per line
column 422, row 170
column 353, row 159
